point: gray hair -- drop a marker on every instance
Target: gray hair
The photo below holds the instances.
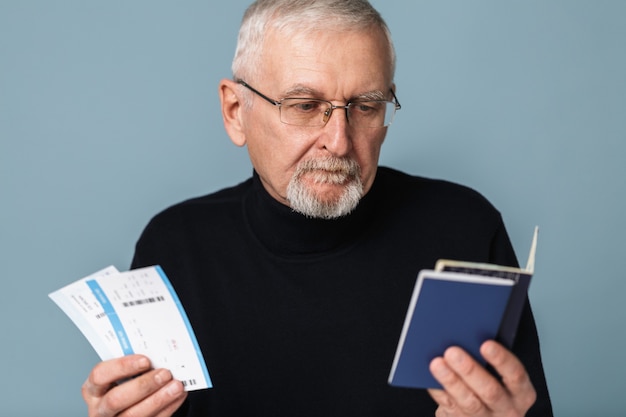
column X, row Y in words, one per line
column 290, row 16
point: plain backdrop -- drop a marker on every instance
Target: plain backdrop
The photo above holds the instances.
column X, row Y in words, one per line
column 109, row 113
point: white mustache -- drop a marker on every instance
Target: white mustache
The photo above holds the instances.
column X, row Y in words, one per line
column 329, row 170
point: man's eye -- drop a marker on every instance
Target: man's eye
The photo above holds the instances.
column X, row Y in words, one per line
column 369, row 107
column 305, row 106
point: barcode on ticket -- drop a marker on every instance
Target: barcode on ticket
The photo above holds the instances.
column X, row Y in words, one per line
column 144, row 301
column 189, row 383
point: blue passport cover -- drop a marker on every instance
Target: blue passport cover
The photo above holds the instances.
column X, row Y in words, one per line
column 447, row 309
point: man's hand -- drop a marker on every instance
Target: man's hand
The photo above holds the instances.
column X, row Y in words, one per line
column 470, row 390
column 150, row 392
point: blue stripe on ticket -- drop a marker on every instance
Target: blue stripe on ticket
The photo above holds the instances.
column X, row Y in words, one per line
column 120, row 332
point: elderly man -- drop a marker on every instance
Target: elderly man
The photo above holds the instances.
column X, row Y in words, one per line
column 297, row 280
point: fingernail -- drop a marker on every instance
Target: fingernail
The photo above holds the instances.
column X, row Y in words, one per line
column 175, row 388
column 454, row 356
column 142, row 363
column 490, row 350
column 439, row 369
column 162, row 376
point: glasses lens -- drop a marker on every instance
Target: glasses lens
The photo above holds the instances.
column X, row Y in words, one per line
column 371, row 113
column 303, row 112
column 315, row 113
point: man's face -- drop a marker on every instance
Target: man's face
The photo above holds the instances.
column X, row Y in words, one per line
column 334, row 66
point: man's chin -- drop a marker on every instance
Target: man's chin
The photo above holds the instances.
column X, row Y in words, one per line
column 324, row 200
column 326, row 188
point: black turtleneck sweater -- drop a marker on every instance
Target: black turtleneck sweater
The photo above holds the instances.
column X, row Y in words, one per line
column 301, row 317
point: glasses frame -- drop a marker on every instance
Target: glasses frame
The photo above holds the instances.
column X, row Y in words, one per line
column 328, row 113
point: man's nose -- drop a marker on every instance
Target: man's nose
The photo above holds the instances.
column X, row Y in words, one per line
column 337, row 132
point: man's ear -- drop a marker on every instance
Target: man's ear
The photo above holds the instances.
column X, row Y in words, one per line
column 232, row 108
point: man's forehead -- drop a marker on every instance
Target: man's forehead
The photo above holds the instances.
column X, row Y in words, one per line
column 320, row 64
column 304, row 90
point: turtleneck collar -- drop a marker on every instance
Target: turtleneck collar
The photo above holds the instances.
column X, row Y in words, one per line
column 285, row 232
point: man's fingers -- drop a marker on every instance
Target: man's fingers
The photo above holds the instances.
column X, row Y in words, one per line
column 514, row 375
column 145, row 392
column 486, row 388
column 134, row 391
column 471, row 389
column 459, row 394
column 162, row 402
column 153, row 393
column 106, row 374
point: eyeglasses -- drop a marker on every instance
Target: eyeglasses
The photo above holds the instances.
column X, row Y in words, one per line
column 312, row 112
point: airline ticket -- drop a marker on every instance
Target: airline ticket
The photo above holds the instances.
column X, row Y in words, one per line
column 138, row 311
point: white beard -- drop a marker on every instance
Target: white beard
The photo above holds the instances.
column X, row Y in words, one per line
column 331, row 170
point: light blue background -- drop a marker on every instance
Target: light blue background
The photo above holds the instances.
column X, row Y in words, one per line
column 109, row 113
